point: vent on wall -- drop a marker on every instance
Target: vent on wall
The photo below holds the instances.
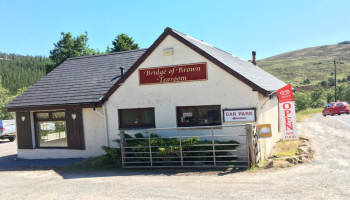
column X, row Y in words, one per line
column 168, row 52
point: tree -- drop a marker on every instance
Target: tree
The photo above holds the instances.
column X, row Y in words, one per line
column 318, row 98
column 331, row 81
column 4, row 99
column 123, row 43
column 302, row 101
column 306, row 81
column 69, row 47
column 330, row 96
column 323, row 83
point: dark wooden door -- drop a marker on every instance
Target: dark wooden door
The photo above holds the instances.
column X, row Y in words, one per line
column 75, row 129
column 24, row 130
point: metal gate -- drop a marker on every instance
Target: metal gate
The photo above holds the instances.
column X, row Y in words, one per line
column 204, row 146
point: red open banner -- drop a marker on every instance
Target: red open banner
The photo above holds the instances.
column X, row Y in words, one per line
column 287, row 113
column 285, row 94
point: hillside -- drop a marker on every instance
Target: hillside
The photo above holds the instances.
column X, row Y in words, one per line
column 315, row 64
column 18, row 71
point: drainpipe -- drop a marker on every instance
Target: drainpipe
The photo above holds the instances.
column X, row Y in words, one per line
column 104, row 116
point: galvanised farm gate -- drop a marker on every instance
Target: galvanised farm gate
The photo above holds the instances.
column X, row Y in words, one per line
column 231, row 146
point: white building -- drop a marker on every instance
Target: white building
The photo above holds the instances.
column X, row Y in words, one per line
column 178, row 82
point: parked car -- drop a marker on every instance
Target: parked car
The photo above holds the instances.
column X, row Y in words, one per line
column 336, row 108
column 8, row 130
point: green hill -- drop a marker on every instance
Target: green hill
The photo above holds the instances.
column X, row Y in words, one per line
column 315, row 64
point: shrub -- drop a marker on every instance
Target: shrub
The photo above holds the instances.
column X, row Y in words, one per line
column 302, row 101
column 319, row 103
column 330, row 96
column 306, row 81
column 323, row 83
column 113, row 156
column 318, row 98
column 331, row 81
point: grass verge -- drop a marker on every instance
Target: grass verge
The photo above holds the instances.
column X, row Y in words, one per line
column 286, row 148
column 304, row 114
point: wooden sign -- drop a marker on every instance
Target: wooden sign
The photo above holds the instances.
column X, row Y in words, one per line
column 264, row 130
column 173, row 74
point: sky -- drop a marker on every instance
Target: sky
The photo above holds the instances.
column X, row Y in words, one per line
column 238, row 27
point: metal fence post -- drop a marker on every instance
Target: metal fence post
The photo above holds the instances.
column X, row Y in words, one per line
column 122, row 146
column 213, row 142
column 250, row 145
column 150, row 148
column 180, row 143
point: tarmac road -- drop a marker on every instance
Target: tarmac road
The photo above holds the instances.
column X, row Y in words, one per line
column 344, row 120
column 327, row 177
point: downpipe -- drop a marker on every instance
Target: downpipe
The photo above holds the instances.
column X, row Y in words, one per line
column 104, row 116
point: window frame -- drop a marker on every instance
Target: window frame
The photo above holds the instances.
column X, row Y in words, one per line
column 49, row 119
column 140, row 123
column 195, row 121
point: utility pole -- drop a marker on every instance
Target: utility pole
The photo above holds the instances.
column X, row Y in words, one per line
column 335, row 81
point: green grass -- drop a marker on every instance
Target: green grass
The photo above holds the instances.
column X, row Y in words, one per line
column 304, row 114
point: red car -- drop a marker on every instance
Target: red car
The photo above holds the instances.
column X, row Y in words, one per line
column 336, row 108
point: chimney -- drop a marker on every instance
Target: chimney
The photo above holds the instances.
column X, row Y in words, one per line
column 122, row 71
column 254, row 57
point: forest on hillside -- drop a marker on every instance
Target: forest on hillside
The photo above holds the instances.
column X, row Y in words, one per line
column 18, row 71
column 16, row 74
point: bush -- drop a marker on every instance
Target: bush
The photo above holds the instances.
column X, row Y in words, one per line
column 113, row 155
column 319, row 103
column 318, row 98
column 330, row 96
column 331, row 81
column 302, row 101
column 306, row 81
column 323, row 83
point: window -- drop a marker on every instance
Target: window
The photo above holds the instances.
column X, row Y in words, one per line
column 139, row 117
column 50, row 129
column 198, row 115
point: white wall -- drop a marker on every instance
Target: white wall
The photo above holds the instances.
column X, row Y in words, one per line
column 221, row 88
column 94, row 133
column 268, row 114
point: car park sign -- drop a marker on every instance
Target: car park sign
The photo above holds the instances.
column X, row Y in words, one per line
column 239, row 115
column 287, row 113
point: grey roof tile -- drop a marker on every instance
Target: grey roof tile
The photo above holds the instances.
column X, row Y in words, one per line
column 78, row 80
column 251, row 72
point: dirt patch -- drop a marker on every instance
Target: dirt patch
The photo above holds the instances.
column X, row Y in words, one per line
column 288, row 153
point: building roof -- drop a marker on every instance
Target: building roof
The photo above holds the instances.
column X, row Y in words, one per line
column 245, row 71
column 81, row 81
column 77, row 81
column 254, row 76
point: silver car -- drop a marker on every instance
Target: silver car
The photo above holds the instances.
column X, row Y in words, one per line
column 8, row 130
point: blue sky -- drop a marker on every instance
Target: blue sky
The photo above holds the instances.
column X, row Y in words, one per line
column 238, row 27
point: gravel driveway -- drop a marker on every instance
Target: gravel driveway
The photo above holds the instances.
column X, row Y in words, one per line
column 327, row 177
